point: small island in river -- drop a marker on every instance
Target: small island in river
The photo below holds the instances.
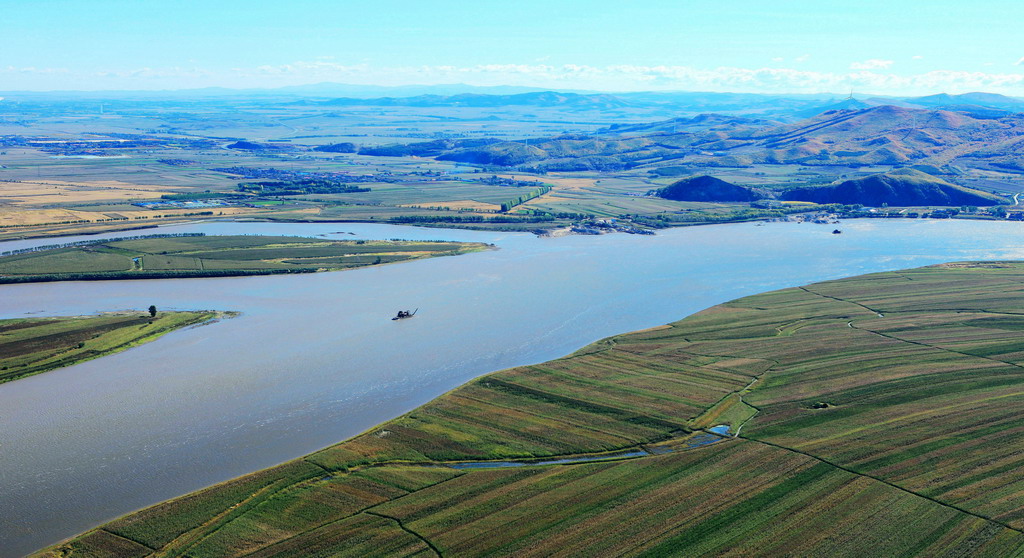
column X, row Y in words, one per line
column 34, row 345
column 198, row 255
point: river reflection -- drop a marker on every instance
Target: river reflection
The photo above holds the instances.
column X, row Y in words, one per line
column 314, row 359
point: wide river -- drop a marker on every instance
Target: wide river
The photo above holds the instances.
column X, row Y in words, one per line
column 315, row 359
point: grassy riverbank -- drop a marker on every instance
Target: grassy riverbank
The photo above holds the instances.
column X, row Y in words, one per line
column 164, row 256
column 878, row 415
column 33, row 345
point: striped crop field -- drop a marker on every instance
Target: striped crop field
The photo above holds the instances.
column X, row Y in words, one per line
column 161, row 257
column 871, row 416
column 30, row 346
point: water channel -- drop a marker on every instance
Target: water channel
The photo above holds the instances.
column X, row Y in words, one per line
column 315, row 359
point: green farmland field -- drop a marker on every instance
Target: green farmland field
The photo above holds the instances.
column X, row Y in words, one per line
column 32, row 345
column 206, row 256
column 876, row 416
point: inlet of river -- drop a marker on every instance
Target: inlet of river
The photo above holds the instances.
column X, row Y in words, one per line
column 315, row 359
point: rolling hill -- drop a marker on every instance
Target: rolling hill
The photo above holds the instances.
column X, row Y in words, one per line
column 987, row 100
column 902, row 187
column 879, row 135
column 708, row 189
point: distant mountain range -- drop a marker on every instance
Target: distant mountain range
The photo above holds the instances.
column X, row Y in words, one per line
column 317, row 90
column 784, row 107
column 879, row 135
column 533, row 99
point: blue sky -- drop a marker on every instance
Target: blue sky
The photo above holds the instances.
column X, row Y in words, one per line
column 802, row 46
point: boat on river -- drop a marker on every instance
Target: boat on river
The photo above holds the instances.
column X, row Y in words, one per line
column 403, row 314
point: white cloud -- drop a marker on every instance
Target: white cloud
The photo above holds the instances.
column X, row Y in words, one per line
column 802, row 58
column 624, row 77
column 917, row 57
column 873, row 64
column 1020, row 62
column 777, row 59
column 34, row 71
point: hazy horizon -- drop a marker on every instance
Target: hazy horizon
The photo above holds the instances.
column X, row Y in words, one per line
column 337, row 89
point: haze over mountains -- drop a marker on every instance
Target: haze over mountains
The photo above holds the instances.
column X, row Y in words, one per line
column 533, row 99
column 882, row 135
column 942, row 134
column 779, row 106
column 660, row 133
column 785, row 107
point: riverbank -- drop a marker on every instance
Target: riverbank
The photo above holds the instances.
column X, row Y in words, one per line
column 555, row 228
column 30, row 346
column 315, row 358
column 851, row 384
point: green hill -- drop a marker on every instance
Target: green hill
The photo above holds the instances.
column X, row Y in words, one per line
column 708, row 189
column 902, row 187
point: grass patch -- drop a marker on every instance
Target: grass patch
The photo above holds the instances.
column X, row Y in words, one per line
column 34, row 345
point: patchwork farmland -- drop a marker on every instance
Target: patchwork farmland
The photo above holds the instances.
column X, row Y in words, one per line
column 876, row 415
column 34, row 345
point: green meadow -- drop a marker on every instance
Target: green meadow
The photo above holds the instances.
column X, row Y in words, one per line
column 876, row 416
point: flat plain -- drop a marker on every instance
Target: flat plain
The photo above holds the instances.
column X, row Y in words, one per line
column 875, row 415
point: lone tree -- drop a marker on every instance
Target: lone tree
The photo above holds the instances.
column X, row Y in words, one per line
column 152, row 311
